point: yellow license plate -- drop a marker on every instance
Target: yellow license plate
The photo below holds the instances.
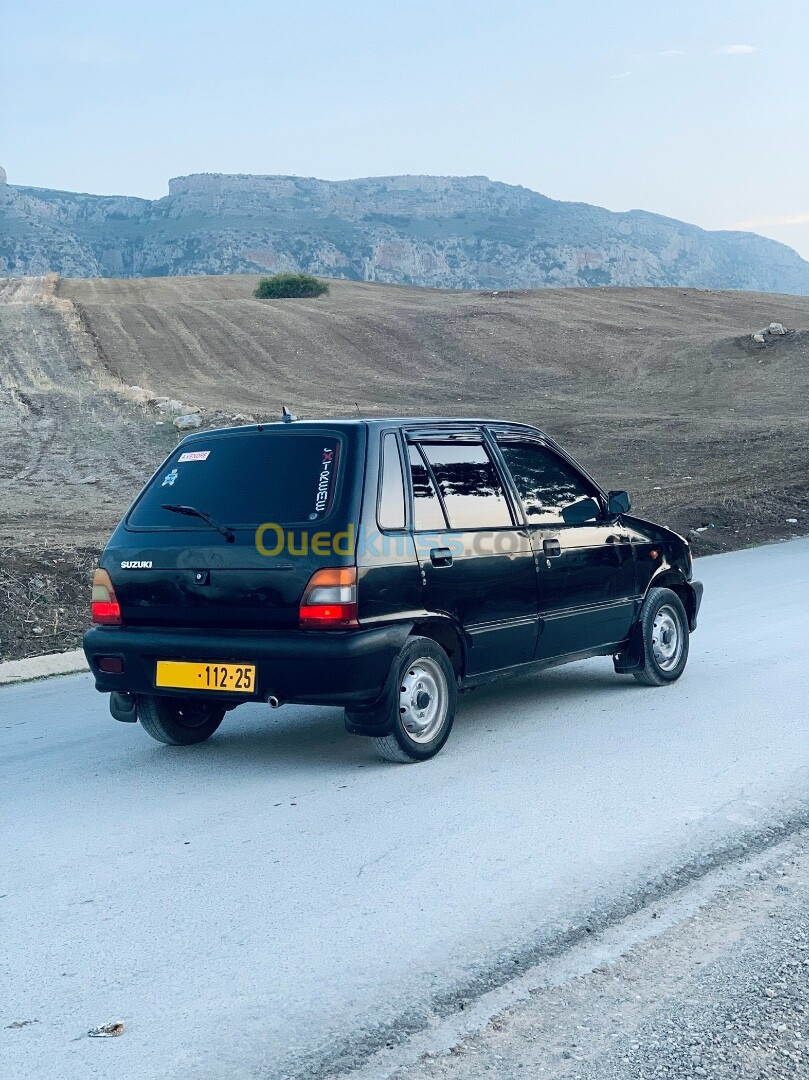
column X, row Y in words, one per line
column 230, row 678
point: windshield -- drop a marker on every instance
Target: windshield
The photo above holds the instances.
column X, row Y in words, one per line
column 244, row 480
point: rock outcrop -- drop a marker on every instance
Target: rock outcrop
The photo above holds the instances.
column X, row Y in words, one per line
column 447, row 232
column 775, row 329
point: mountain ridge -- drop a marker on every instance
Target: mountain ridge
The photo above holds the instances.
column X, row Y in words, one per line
column 438, row 231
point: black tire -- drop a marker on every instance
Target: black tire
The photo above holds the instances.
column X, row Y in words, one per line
column 179, row 721
column 426, row 692
column 664, row 638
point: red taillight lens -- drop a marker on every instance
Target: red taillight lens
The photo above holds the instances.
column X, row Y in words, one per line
column 330, row 599
column 105, row 608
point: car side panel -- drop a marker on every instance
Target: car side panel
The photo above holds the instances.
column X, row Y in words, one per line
column 587, row 592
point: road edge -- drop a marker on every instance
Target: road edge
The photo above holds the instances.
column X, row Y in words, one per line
column 42, row 667
column 454, row 1035
column 357, row 1057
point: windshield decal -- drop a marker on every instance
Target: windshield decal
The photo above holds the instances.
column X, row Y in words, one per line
column 168, row 480
column 194, row 455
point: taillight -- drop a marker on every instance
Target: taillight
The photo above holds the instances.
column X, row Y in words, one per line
column 330, row 599
column 105, row 607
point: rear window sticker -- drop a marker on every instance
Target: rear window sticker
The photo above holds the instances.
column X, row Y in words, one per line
column 324, row 481
column 169, row 478
column 195, row 455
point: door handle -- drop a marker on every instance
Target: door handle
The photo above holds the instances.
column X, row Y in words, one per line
column 441, row 556
column 552, row 548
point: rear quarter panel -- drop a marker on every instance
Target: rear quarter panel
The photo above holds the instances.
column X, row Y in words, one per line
column 389, row 578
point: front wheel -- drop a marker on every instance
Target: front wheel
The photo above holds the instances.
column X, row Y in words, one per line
column 664, row 638
column 179, row 721
column 423, row 705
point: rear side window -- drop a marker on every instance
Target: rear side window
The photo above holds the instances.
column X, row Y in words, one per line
column 469, row 485
column 545, row 482
column 245, row 480
column 427, row 513
column 391, row 513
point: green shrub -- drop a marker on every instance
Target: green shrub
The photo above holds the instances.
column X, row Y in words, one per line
column 281, row 286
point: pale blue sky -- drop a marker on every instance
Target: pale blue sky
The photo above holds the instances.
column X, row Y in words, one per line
column 697, row 109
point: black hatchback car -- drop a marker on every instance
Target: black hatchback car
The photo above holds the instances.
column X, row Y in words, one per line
column 381, row 565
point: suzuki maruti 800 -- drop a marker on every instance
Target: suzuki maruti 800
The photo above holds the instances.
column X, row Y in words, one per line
column 380, row 565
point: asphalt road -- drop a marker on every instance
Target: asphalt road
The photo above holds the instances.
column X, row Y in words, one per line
column 277, row 903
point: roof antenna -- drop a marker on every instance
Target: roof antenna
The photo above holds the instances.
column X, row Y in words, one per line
column 286, row 416
column 357, row 407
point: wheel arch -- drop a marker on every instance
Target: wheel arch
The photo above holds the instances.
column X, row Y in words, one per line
column 374, row 719
column 446, row 634
column 674, row 580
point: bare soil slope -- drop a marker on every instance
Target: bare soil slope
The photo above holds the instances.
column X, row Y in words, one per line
column 72, row 452
column 661, row 391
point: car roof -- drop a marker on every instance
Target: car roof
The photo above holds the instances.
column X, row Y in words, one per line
column 375, row 422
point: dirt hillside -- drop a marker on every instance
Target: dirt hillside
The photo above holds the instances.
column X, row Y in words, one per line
column 662, row 391
column 72, row 452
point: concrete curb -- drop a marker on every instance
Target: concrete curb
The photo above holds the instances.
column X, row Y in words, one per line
column 40, row 667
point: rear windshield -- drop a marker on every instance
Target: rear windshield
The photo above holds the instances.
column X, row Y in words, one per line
column 245, row 480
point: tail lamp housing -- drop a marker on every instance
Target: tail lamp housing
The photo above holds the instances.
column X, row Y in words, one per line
column 106, row 611
column 329, row 600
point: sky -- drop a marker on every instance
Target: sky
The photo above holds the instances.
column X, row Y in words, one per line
column 697, row 109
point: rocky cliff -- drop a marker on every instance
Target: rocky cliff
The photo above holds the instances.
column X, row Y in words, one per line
column 446, row 232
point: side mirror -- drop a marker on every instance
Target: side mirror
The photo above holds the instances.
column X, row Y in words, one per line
column 585, row 510
column 619, row 503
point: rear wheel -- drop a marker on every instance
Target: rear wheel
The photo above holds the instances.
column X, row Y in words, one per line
column 179, row 721
column 664, row 638
column 423, row 706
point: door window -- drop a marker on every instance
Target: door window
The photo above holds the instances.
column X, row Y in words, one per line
column 391, row 513
column 545, row 482
column 427, row 512
column 469, row 484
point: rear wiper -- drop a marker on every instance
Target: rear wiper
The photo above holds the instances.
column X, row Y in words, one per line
column 191, row 511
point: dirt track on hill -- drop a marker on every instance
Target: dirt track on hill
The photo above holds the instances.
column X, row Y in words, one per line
column 661, row 391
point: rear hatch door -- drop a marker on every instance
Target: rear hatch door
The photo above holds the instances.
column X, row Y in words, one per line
column 287, row 495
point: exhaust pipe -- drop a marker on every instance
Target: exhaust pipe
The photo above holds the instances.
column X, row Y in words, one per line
column 274, row 702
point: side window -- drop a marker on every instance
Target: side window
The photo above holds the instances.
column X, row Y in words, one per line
column 391, row 511
column 427, row 512
column 545, row 482
column 469, row 485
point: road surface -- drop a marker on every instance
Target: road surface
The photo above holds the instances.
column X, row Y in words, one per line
column 278, row 903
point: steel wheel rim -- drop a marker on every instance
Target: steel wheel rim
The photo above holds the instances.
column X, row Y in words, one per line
column 667, row 638
column 423, row 699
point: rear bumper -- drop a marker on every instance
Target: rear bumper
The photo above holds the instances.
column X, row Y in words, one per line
column 341, row 668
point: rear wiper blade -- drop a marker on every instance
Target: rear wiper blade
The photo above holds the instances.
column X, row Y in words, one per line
column 191, row 511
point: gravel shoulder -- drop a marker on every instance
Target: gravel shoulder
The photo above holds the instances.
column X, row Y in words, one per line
column 721, row 992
